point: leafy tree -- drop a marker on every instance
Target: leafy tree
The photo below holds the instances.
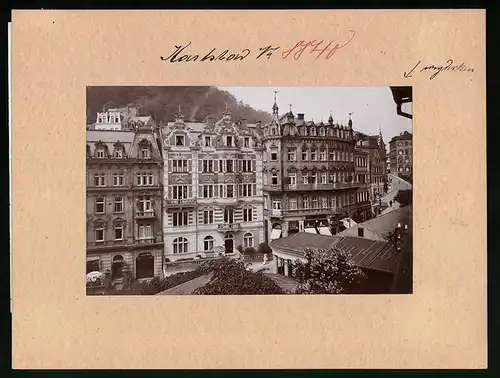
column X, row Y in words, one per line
column 329, row 271
column 249, row 251
column 264, row 248
column 231, row 277
column 404, row 197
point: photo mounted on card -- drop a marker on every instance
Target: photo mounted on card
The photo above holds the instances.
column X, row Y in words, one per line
column 206, row 182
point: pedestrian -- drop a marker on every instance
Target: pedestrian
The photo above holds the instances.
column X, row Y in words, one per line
column 390, row 203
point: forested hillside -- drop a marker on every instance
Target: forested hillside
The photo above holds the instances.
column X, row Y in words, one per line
column 163, row 102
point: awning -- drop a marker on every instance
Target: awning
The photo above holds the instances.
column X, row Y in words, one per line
column 275, row 234
column 348, row 222
column 325, row 231
column 310, row 230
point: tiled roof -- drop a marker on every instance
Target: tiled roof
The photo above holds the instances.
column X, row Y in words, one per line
column 376, row 255
column 110, row 136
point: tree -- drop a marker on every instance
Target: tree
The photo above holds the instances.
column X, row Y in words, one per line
column 264, row 248
column 329, row 271
column 404, row 197
column 232, row 277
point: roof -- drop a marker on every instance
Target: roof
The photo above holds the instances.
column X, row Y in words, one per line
column 404, row 136
column 110, row 136
column 370, row 254
column 385, row 223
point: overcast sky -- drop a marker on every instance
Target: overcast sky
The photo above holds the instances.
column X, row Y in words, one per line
column 372, row 107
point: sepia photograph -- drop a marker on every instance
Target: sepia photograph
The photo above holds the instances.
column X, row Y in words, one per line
column 248, row 190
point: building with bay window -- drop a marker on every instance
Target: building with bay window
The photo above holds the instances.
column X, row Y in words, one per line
column 401, row 152
column 124, row 195
column 212, row 187
column 309, row 176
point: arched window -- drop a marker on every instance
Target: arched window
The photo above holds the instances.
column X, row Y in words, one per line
column 248, row 240
column 180, row 245
column 208, row 243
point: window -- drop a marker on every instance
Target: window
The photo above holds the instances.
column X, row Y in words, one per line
column 324, row 202
column 179, row 165
column 230, row 191
column 208, row 166
column 180, row 218
column 274, row 179
column 248, row 240
column 229, row 141
column 208, row 141
column 292, row 154
column 180, row 245
column 277, row 205
column 333, row 202
column 247, row 214
column 208, row 243
column 246, row 190
column 145, row 204
column 313, row 155
column 228, row 216
column 331, row 155
column 304, row 155
column 315, row 202
column 100, row 153
column 323, row 177
column 145, row 153
column 274, row 155
column 119, row 232
column 100, row 179
column 246, row 142
column 305, row 179
column 361, row 232
column 314, row 178
column 208, row 191
column 99, row 205
column 179, row 140
column 99, row 233
column 321, row 132
column 313, row 131
column 208, row 216
column 118, row 179
column 144, row 179
column 305, row 203
column 118, row 205
column 292, row 204
column 293, row 178
column 180, row 192
column 322, row 155
column 246, row 165
column 229, row 166
column 400, row 169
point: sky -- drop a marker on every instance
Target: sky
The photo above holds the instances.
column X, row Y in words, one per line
column 372, row 107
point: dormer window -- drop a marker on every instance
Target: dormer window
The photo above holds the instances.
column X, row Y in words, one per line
column 229, row 141
column 313, row 131
column 179, row 140
column 118, row 153
column 246, row 142
column 145, row 153
column 100, row 153
column 208, row 141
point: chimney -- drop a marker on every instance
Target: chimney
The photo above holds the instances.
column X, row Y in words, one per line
column 243, row 122
column 209, row 120
column 300, row 116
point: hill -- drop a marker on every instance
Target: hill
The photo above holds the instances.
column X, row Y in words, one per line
column 163, row 102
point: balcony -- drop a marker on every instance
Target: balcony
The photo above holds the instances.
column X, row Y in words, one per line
column 148, row 214
column 225, row 227
column 273, row 213
column 327, row 186
column 145, row 240
column 324, row 211
column 185, row 202
column 273, row 188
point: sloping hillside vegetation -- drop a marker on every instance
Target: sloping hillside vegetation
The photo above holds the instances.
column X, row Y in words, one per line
column 163, row 102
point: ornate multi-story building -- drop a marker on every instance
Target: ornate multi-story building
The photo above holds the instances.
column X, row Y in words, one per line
column 375, row 146
column 124, row 192
column 400, row 152
column 309, row 175
column 212, row 187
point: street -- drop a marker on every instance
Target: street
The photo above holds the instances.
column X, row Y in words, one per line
column 396, row 185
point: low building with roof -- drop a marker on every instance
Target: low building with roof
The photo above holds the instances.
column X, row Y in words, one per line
column 377, row 259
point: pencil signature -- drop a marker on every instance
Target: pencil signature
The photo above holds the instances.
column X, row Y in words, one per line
column 435, row 70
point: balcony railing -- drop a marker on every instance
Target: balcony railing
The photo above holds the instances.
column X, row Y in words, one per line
column 145, row 240
column 320, row 186
column 148, row 214
column 180, row 202
column 273, row 188
column 229, row 227
column 273, row 213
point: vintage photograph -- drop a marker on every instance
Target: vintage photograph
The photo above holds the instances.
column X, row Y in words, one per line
column 248, row 190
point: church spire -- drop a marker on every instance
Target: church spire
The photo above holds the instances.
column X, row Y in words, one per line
column 380, row 138
column 275, row 105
